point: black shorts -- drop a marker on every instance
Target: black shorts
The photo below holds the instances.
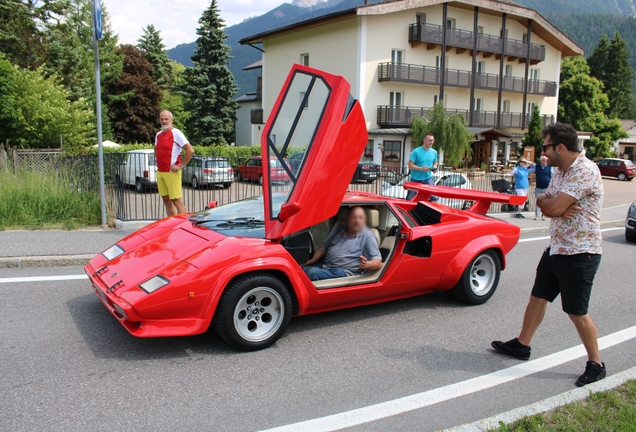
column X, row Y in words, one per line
column 572, row 276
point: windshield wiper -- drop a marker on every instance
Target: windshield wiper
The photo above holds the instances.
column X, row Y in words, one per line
column 235, row 221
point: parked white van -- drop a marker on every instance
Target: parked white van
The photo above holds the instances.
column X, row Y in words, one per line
column 138, row 168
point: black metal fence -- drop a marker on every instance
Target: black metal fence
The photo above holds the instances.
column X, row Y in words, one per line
column 131, row 191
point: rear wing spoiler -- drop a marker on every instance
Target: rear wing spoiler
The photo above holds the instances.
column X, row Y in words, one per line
column 482, row 200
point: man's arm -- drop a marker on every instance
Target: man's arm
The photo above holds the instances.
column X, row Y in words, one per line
column 414, row 167
column 318, row 255
column 189, row 152
column 370, row 265
column 370, row 249
column 563, row 205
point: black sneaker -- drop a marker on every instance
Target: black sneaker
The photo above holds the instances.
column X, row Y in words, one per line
column 593, row 372
column 512, row 348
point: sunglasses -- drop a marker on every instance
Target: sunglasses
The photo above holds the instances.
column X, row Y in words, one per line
column 544, row 147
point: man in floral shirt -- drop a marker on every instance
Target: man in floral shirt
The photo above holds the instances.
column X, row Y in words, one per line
column 573, row 200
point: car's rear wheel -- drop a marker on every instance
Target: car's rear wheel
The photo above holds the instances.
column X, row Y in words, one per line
column 139, row 186
column 253, row 312
column 621, row 176
column 630, row 236
column 480, row 279
column 195, row 182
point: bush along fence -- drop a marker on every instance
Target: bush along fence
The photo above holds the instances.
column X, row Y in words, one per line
column 130, row 180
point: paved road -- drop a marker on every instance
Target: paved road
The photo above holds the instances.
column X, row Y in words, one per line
column 66, row 364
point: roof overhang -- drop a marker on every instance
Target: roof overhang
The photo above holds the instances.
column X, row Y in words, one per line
column 543, row 28
column 256, row 65
column 488, row 134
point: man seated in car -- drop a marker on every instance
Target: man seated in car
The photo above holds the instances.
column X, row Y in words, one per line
column 350, row 251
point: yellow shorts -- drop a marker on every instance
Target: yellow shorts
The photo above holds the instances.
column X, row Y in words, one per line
column 169, row 183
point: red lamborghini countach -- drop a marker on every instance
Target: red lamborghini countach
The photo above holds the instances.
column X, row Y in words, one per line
column 238, row 267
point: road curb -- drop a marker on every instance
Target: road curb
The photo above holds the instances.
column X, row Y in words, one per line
column 45, row 261
column 603, row 223
column 548, row 404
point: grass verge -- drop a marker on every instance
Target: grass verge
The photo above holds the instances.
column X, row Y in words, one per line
column 45, row 200
column 609, row 411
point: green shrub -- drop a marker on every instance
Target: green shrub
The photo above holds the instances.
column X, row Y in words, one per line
column 45, row 199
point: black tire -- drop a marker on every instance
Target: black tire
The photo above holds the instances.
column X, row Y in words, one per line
column 630, row 236
column 239, row 177
column 139, row 186
column 227, row 185
column 475, row 288
column 621, row 176
column 118, row 182
column 233, row 320
column 260, row 180
column 194, row 182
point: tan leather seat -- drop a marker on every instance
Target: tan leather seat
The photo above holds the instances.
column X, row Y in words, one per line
column 321, row 231
column 373, row 222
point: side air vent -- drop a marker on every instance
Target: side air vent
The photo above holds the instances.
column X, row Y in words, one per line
column 425, row 215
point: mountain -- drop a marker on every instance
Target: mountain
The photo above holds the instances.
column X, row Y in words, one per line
column 585, row 21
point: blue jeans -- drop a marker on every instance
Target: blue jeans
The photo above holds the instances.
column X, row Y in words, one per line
column 315, row 273
column 412, row 193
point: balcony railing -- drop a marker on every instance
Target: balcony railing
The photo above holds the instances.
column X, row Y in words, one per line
column 401, row 116
column 257, row 116
column 463, row 39
column 418, row 74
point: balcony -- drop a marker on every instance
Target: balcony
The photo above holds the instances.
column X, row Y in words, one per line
column 401, row 117
column 462, row 40
column 256, row 116
column 417, row 74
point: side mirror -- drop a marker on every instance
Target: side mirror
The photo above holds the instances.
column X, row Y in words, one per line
column 211, row 205
column 287, row 210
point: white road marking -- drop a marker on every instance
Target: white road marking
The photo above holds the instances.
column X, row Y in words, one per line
column 431, row 397
column 616, row 206
column 548, row 237
column 42, row 278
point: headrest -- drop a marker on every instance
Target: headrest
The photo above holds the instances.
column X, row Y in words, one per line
column 373, row 218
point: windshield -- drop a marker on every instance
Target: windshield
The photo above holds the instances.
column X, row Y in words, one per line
column 275, row 163
column 629, row 163
column 239, row 218
column 217, row 164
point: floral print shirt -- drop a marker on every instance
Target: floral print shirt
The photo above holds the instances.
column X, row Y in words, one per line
column 582, row 233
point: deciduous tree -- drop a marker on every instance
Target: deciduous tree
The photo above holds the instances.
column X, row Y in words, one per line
column 133, row 100
column 452, row 137
column 209, row 87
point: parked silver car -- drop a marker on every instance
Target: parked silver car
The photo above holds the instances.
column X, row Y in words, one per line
column 207, row 170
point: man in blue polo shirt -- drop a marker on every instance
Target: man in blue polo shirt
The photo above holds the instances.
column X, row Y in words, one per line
column 422, row 163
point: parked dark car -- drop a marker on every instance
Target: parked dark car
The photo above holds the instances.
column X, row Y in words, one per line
column 206, row 170
column 365, row 172
column 630, row 224
column 622, row 169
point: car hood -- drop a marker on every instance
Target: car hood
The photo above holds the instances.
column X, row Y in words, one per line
column 161, row 248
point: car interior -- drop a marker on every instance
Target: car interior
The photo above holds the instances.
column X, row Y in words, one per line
column 380, row 220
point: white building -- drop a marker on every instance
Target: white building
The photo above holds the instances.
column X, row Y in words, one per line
column 500, row 60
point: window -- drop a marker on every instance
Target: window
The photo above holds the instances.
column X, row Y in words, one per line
column 531, row 106
column 479, row 102
column 525, row 38
column 392, row 151
column 397, row 56
column 396, row 99
column 304, row 59
column 367, row 156
column 508, row 72
column 480, row 29
column 438, row 62
column 450, row 23
column 481, row 67
column 435, row 99
column 503, row 34
column 534, row 74
column 420, row 18
column 506, row 106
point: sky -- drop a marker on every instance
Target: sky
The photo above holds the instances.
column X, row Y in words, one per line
column 177, row 19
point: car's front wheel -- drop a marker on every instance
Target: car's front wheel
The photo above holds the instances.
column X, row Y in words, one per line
column 139, row 186
column 630, row 236
column 480, row 279
column 195, row 182
column 253, row 312
column 621, row 176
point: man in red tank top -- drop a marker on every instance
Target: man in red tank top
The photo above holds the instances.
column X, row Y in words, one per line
column 168, row 146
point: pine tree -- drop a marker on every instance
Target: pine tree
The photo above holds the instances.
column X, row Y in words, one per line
column 618, row 80
column 597, row 61
column 209, row 87
column 533, row 136
column 133, row 102
column 154, row 49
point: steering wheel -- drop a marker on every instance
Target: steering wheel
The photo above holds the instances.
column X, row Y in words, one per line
column 312, row 245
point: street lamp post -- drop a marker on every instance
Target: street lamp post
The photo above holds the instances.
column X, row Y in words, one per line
column 97, row 34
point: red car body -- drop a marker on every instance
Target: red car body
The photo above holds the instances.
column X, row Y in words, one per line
column 244, row 276
column 622, row 169
column 252, row 170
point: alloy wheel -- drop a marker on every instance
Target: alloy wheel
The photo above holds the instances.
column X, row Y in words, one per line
column 483, row 275
column 259, row 314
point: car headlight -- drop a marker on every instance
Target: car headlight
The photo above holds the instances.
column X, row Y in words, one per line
column 113, row 252
column 153, row 284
